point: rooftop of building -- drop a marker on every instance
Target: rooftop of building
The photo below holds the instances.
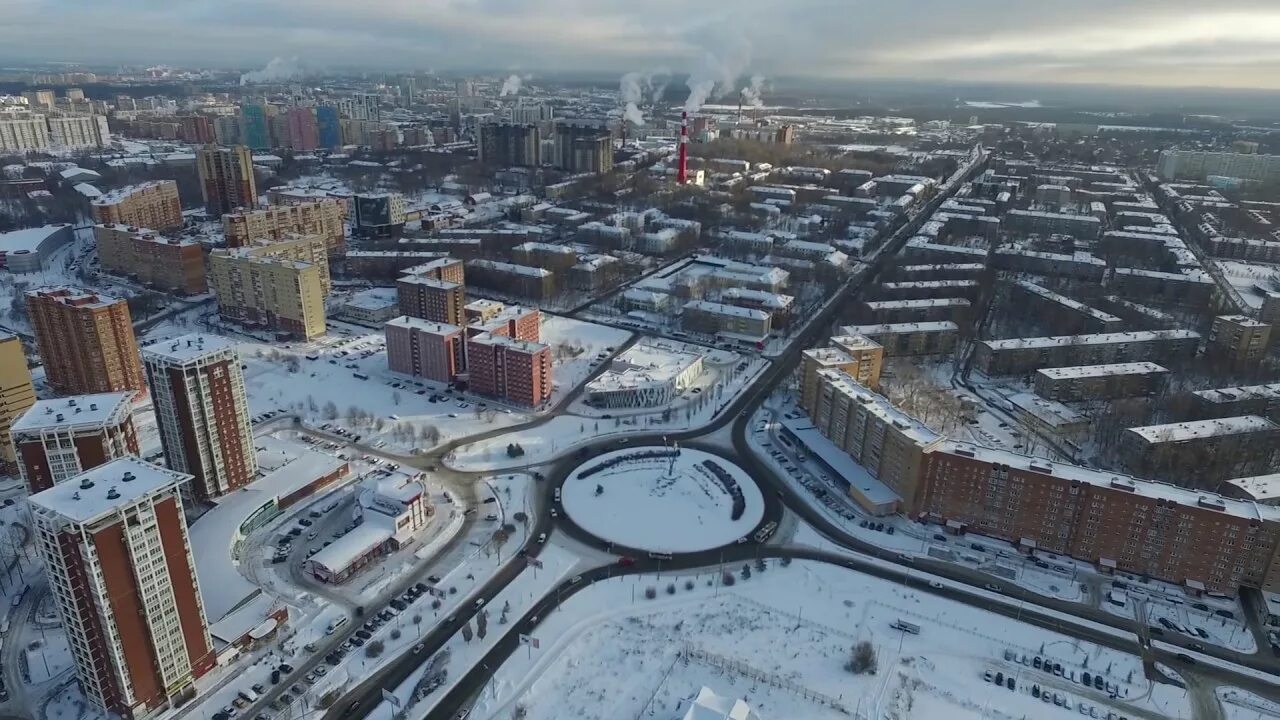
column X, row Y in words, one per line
column 526, row 346
column 900, row 328
column 840, row 461
column 187, row 348
column 1091, row 339
column 1110, row 480
column 770, row 300
column 919, row 303
column 27, row 240
column 74, row 412
column 1244, row 392
column 828, row 356
column 1242, row 321
column 1199, row 429
column 643, row 365
column 426, row 326
column 1084, row 371
column 880, row 406
column 924, row 284
column 78, row 297
column 425, row 281
column 1050, row 412
column 854, row 342
column 510, row 268
column 1261, row 488
column 96, row 493
column 723, row 309
column 373, row 299
column 149, row 235
column 112, row 197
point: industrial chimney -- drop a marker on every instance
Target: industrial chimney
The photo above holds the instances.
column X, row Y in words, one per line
column 682, row 175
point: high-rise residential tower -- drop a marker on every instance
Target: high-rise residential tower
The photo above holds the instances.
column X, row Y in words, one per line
column 86, row 341
column 202, row 411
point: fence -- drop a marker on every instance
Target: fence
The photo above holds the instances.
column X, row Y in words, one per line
column 689, row 653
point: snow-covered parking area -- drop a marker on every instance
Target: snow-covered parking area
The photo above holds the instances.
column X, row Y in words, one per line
column 783, row 639
column 663, row 499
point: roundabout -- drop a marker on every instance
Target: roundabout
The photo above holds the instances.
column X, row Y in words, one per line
column 663, row 500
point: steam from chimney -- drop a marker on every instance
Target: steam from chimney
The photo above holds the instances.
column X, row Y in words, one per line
column 751, row 93
column 723, row 60
column 635, row 88
column 278, row 70
column 511, row 85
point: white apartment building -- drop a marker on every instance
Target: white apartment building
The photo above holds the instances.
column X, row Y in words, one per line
column 198, row 389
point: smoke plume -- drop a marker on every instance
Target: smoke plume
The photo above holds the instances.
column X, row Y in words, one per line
column 723, row 60
column 511, row 86
column 632, row 94
column 278, row 70
column 751, row 93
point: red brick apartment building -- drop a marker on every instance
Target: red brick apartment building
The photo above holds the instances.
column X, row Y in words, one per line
column 514, row 371
column 425, row 349
column 1203, row 541
column 60, row 438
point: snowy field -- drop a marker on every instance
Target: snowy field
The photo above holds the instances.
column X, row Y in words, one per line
column 662, row 506
column 578, row 348
column 782, row 638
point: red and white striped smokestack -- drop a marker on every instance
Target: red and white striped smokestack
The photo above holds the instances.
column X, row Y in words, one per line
column 682, row 175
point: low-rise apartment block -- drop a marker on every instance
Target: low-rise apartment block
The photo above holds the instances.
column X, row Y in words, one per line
column 1261, row 400
column 1021, row 356
column 153, row 204
column 1064, row 314
column 522, row 281
column 169, row 264
column 714, row 318
column 1201, row 453
column 1100, row 382
column 904, row 311
column 929, row 338
column 1239, row 339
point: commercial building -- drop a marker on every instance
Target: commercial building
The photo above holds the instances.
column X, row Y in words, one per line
column 153, row 204
column 714, row 318
column 514, row 371
column 931, row 338
column 169, row 264
column 507, row 144
column 1019, row 356
column 322, row 218
column 115, row 548
column 1201, row 452
column 1193, row 165
column 226, row 178
column 885, row 441
column 1100, row 382
column 379, row 214
column 58, row 439
column 17, row 393
column 423, row 348
column 86, row 342
column 645, row 375
column 27, row 251
column 372, row 307
column 202, row 411
column 1204, row 542
column 1239, row 339
column 1064, row 314
column 390, row 513
column 280, row 286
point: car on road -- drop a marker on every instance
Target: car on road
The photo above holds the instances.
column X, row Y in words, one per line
column 1186, row 658
column 994, row 588
column 626, row 561
column 935, row 584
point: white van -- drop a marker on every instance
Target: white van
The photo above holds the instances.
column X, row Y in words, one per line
column 333, row 626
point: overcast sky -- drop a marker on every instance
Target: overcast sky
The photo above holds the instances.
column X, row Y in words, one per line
column 1233, row 43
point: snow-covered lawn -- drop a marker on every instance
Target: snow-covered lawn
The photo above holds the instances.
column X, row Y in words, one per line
column 661, row 504
column 781, row 639
column 1240, row 704
column 576, row 350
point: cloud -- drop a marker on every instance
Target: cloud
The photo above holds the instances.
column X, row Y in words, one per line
column 1145, row 41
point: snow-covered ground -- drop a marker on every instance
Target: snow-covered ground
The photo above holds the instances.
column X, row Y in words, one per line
column 661, row 504
column 1239, row 704
column 577, row 348
column 781, row 637
column 1246, row 276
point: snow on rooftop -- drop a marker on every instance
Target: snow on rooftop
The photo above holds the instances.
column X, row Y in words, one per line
column 858, row 477
column 373, row 299
column 1261, row 488
column 119, row 194
column 1086, row 371
column 900, row 328
column 185, row 349
column 28, row 239
column 95, row 493
column 362, row 539
column 1199, row 429
column 707, row 705
column 1050, row 412
column 722, row 309
column 879, row 406
column 1234, row 394
column 427, row 326
column 76, row 411
column 1091, row 339
column 919, row 303
column 643, row 364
